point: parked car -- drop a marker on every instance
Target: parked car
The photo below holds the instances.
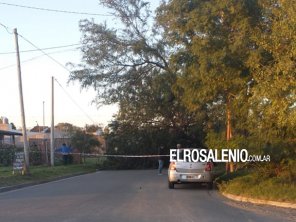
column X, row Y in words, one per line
column 190, row 172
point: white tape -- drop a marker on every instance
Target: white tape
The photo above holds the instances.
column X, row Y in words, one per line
column 107, row 155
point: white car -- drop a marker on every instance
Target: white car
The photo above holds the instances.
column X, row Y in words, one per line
column 190, row 172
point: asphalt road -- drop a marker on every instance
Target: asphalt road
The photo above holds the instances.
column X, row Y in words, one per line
column 128, row 196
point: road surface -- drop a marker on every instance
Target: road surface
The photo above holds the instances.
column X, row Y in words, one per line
column 128, row 196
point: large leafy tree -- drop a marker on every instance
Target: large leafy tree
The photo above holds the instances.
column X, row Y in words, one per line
column 274, row 94
column 128, row 65
column 212, row 42
column 272, row 104
column 118, row 61
column 237, row 56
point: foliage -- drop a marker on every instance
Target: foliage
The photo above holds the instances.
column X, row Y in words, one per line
column 125, row 139
column 67, row 127
column 84, row 142
column 91, row 128
column 274, row 91
column 35, row 155
column 253, row 186
column 118, row 61
column 213, row 40
column 128, row 66
column 6, row 155
column 13, row 126
column 177, row 76
column 240, row 56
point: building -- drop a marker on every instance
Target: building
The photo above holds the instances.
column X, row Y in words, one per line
column 7, row 133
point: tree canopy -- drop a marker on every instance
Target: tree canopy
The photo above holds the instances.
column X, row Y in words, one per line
column 195, row 62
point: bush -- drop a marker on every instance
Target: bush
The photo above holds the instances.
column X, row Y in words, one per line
column 35, row 155
column 6, row 155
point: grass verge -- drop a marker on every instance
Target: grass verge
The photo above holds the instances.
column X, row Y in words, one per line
column 249, row 184
column 44, row 173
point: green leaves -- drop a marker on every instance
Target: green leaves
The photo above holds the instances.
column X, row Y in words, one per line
column 239, row 53
column 116, row 59
column 198, row 58
column 83, row 141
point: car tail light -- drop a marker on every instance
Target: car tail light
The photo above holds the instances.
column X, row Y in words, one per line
column 173, row 166
column 209, row 166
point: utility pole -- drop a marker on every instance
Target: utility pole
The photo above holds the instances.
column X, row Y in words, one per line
column 52, row 124
column 44, row 140
column 24, row 129
column 43, row 115
column 229, row 165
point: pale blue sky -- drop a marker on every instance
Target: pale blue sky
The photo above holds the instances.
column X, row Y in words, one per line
column 47, row 29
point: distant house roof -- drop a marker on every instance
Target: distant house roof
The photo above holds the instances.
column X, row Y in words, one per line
column 45, row 134
column 38, row 129
column 10, row 133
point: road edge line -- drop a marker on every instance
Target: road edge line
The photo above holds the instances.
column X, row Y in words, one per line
column 31, row 184
column 259, row 201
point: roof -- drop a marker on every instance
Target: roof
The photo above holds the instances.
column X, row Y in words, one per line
column 10, row 133
column 38, row 129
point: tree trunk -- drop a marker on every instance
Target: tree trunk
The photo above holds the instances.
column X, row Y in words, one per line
column 229, row 165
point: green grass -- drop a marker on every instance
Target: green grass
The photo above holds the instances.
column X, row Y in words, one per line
column 45, row 173
column 249, row 184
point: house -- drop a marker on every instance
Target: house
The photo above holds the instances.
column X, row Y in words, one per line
column 7, row 133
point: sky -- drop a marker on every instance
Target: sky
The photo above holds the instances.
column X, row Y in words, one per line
column 46, row 29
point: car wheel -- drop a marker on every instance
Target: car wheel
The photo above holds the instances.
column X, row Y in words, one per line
column 210, row 185
column 171, row 185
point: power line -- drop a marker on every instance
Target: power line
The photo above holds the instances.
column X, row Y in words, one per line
column 36, row 57
column 70, row 97
column 7, row 29
column 53, row 10
column 44, row 53
column 34, row 50
column 60, row 64
column 41, row 50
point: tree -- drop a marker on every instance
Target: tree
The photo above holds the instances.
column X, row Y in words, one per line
column 129, row 66
column 84, row 142
column 126, row 139
column 116, row 60
column 66, row 127
column 272, row 104
column 91, row 128
column 213, row 43
column 237, row 56
column 13, row 126
column 274, row 94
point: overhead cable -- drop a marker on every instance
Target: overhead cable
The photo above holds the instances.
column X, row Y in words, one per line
column 60, row 64
column 34, row 50
column 54, row 10
column 36, row 57
column 71, row 98
column 7, row 29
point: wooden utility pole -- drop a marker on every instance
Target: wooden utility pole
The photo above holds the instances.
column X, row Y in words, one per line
column 52, row 124
column 229, row 165
column 44, row 140
column 24, row 129
column 43, row 116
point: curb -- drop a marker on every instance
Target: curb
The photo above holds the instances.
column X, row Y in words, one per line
column 259, row 201
column 19, row 186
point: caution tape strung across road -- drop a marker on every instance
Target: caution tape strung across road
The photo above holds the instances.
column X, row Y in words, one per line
column 109, row 155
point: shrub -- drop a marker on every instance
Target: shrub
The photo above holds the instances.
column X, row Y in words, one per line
column 6, row 155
